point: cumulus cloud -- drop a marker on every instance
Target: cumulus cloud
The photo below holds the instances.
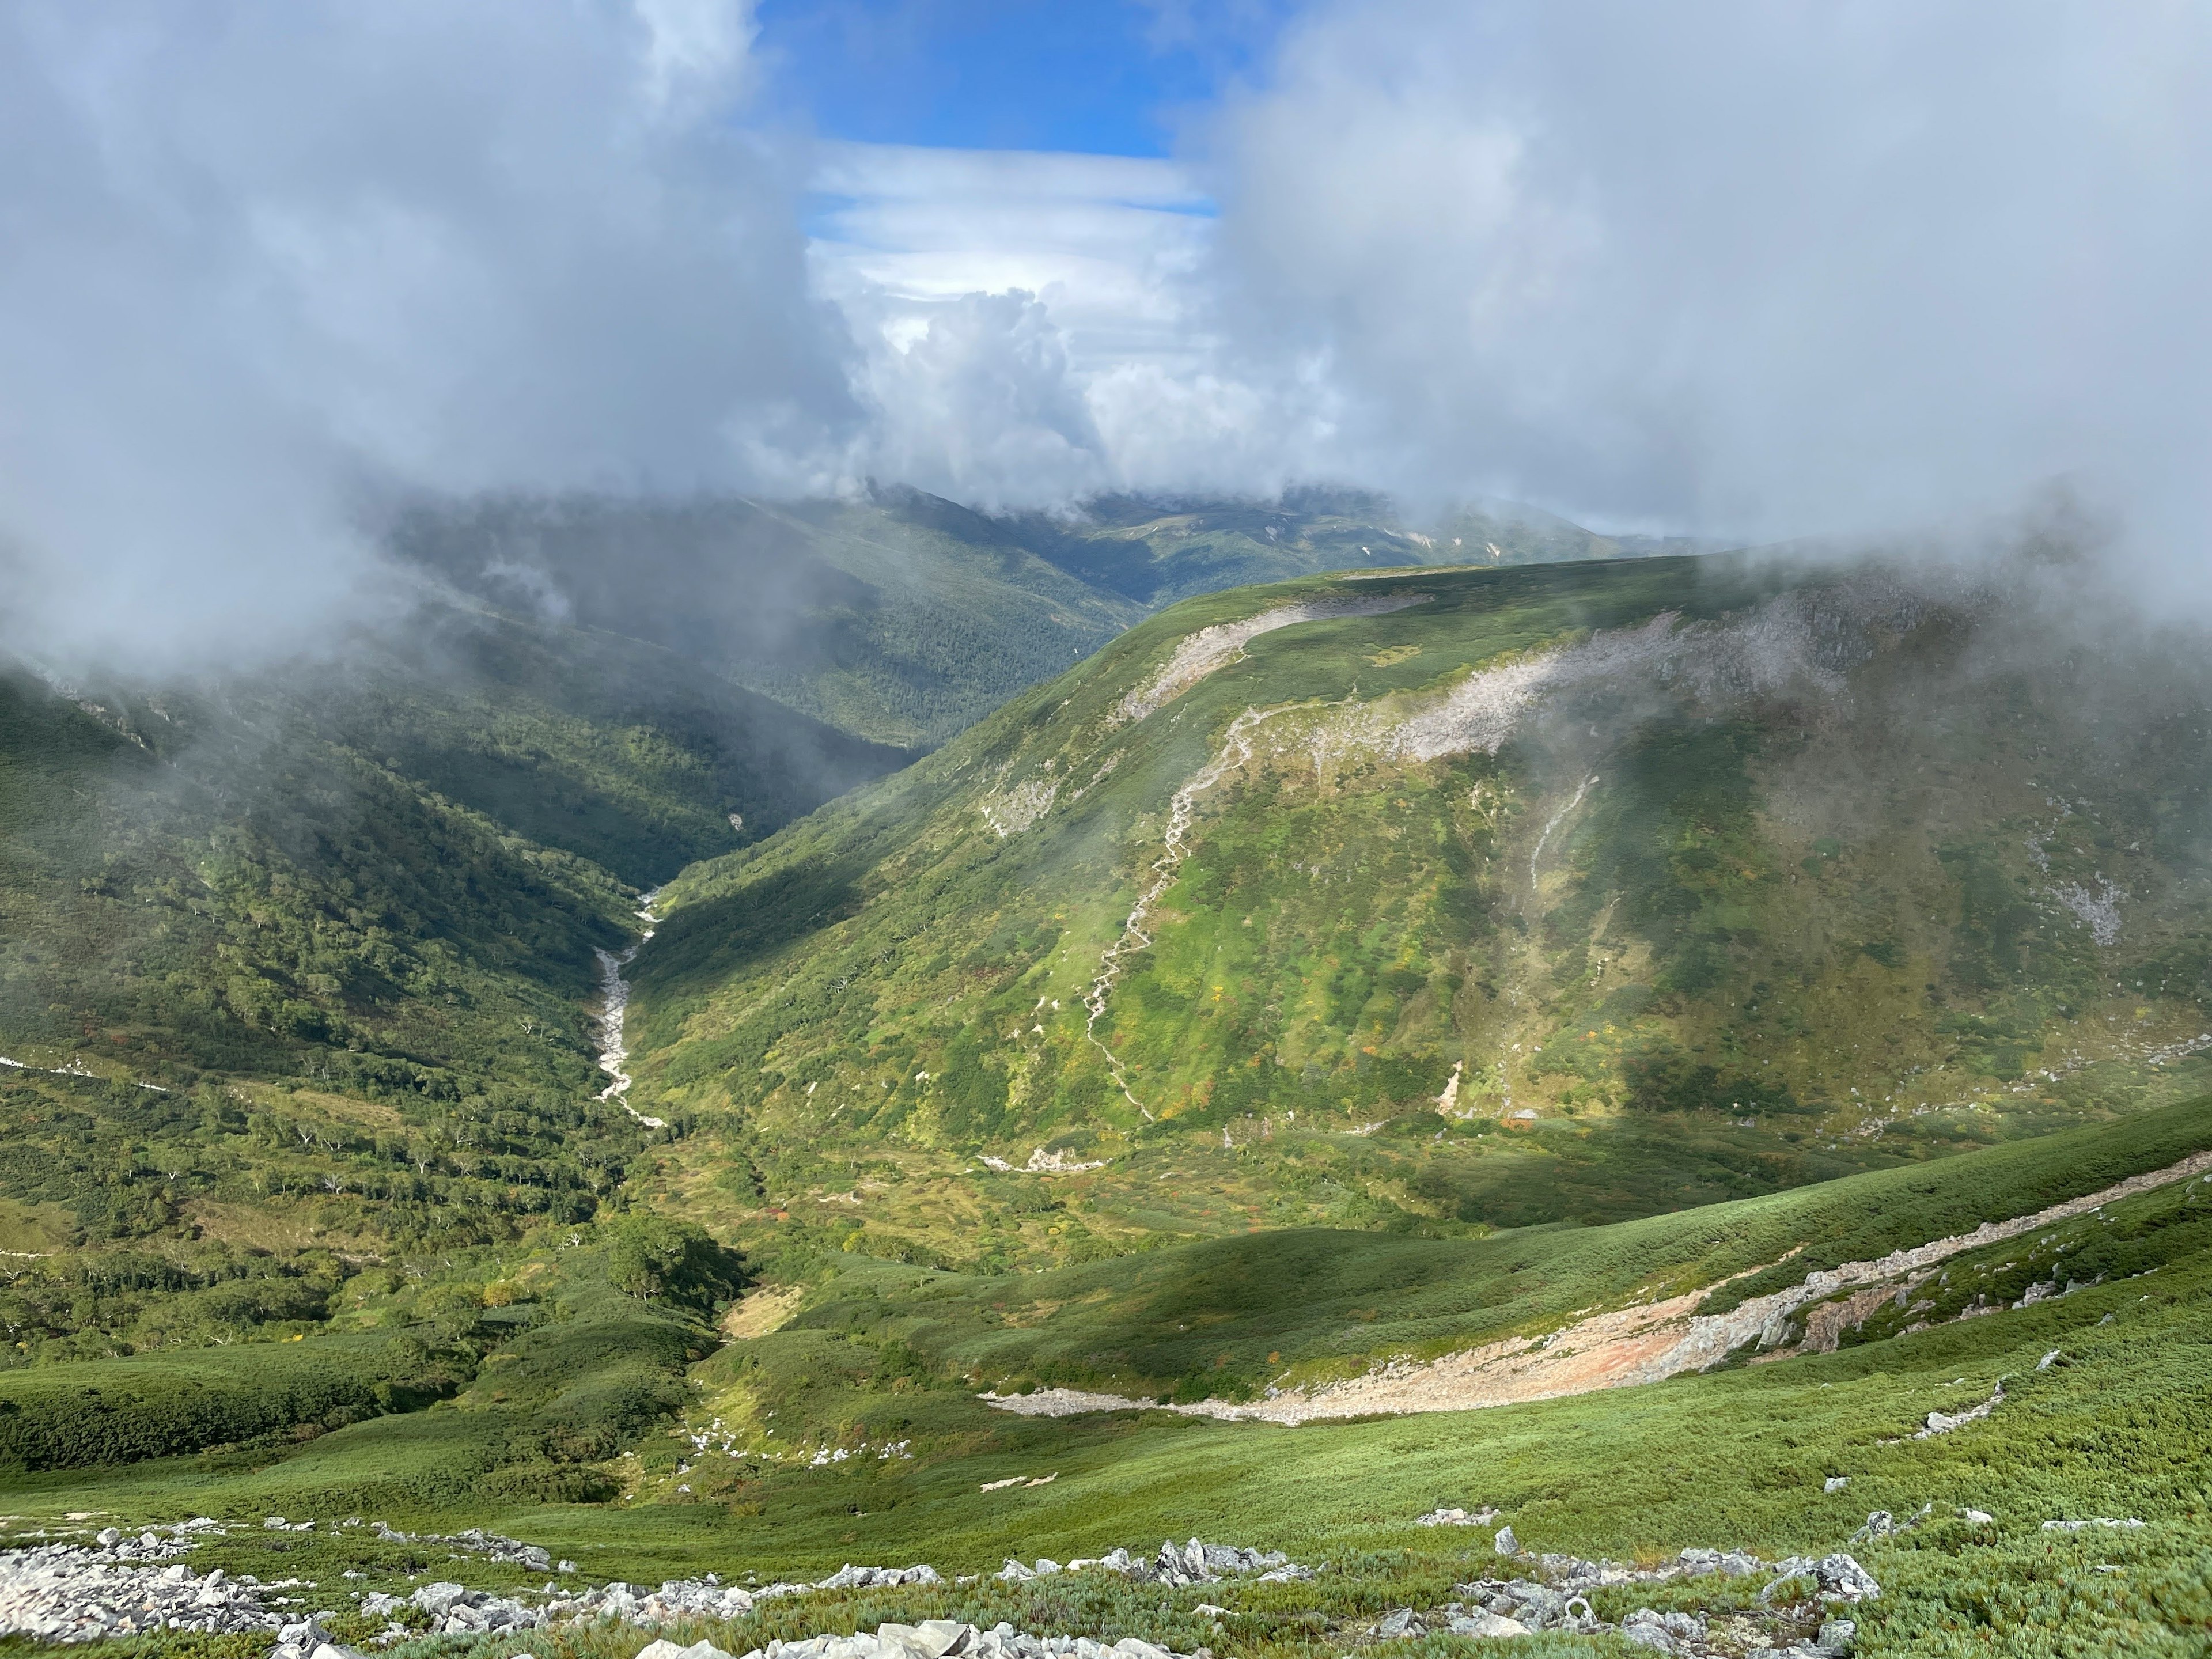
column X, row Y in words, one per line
column 1728, row 265
column 264, row 260
column 1038, row 327
column 1725, row 267
column 997, row 296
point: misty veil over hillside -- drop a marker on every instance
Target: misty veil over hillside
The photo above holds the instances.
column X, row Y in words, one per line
column 1315, row 830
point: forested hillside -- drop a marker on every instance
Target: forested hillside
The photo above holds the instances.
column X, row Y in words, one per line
column 1449, row 901
column 303, row 960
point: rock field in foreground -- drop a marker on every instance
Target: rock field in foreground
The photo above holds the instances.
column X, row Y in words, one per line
column 134, row 1585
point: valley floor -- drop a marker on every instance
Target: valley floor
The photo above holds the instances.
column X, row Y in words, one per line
column 1996, row 1538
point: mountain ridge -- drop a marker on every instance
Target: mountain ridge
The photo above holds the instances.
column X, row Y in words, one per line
column 1565, row 932
column 902, row 616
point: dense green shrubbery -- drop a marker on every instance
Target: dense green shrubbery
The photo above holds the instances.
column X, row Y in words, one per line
column 652, row 1256
column 93, row 1303
column 560, row 1372
column 124, row 1412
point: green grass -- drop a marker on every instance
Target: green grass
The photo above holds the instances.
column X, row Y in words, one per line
column 1767, row 947
column 2117, row 1426
column 1736, row 1458
column 1224, row 1316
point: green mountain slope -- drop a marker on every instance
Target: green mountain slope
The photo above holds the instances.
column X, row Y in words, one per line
column 1571, row 892
column 306, row 958
column 1323, row 982
column 901, row 619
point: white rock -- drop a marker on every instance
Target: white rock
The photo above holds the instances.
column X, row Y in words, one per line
column 1487, row 1624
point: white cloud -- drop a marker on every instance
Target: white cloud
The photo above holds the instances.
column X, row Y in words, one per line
column 1775, row 267
column 695, row 43
column 981, row 402
column 1720, row 265
column 1037, row 277
column 262, row 257
column 1038, row 327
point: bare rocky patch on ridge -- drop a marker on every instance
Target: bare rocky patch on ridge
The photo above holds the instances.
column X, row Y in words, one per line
column 1621, row 1348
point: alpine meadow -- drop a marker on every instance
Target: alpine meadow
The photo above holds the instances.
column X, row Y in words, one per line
column 1334, row 829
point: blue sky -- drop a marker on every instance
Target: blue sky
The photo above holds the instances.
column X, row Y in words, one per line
column 1109, row 78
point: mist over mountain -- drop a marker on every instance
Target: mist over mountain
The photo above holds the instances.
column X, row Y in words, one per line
column 509, row 251
column 1435, row 806
column 902, row 616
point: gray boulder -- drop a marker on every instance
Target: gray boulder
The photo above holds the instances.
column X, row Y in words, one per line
column 1487, row 1624
column 1663, row 1632
column 1840, row 1575
column 932, row 1638
column 1789, row 1567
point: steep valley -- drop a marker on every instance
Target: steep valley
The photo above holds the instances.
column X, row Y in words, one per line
column 1693, row 1061
column 1568, row 893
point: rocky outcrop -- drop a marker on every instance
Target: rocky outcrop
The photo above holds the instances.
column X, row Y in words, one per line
column 1944, row 1422
column 946, row 1638
column 125, row 1586
column 1198, row 654
column 70, row 1593
column 1555, row 1597
column 1647, row 1343
column 476, row 1540
column 1191, row 1563
column 447, row 1610
column 1456, row 1518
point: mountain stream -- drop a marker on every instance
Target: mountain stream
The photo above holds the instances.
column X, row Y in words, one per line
column 614, row 1003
